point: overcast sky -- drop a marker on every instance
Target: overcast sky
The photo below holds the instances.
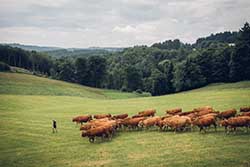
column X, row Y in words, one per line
column 85, row 23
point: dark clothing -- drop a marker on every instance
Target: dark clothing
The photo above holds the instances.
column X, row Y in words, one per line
column 54, row 124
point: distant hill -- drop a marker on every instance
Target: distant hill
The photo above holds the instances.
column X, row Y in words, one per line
column 61, row 52
column 33, row 47
column 73, row 52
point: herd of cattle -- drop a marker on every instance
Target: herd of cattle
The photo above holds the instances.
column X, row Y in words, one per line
column 105, row 125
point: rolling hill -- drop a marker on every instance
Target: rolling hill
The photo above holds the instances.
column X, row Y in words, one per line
column 24, row 84
column 29, row 103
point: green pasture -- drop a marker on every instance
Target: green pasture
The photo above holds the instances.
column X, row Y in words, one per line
column 29, row 103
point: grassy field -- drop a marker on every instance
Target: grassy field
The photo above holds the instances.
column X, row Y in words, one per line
column 24, row 84
column 28, row 104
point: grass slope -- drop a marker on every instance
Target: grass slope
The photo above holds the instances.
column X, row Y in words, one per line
column 23, row 84
column 26, row 138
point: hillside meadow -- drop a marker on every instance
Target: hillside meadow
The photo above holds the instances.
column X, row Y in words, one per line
column 28, row 104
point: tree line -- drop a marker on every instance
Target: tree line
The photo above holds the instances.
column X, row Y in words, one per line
column 162, row 68
column 31, row 60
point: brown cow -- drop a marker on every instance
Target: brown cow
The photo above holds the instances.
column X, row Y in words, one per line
column 227, row 114
column 147, row 113
column 100, row 116
column 120, row 116
column 86, row 126
column 166, row 116
column 160, row 124
column 203, row 108
column 186, row 113
column 132, row 122
column 137, row 116
column 234, row 122
column 149, row 122
column 212, row 114
column 244, row 109
column 245, row 114
column 100, row 120
column 177, row 122
column 100, row 131
column 204, row 112
column 192, row 116
column 95, row 123
column 174, row 111
column 81, row 119
column 204, row 122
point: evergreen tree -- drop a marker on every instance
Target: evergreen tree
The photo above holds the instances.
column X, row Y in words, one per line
column 240, row 59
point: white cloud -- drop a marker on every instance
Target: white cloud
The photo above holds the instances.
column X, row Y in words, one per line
column 126, row 29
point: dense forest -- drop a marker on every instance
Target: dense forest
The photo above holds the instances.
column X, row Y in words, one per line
column 163, row 68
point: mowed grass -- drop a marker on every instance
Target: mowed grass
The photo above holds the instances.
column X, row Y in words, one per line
column 26, row 138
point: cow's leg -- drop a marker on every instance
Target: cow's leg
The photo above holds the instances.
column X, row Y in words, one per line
column 215, row 127
column 110, row 136
column 164, row 127
column 234, row 130
column 175, row 129
column 204, row 129
column 103, row 136
column 91, row 139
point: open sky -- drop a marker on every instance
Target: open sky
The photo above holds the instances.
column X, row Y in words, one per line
column 116, row 23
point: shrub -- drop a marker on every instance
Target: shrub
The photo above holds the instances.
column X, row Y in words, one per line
column 139, row 91
column 124, row 89
column 4, row 66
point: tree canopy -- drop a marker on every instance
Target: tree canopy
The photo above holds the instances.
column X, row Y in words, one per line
column 162, row 68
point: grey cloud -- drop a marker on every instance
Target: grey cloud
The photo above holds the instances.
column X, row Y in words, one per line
column 83, row 23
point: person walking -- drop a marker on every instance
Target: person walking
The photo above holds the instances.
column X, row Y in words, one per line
column 54, row 128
